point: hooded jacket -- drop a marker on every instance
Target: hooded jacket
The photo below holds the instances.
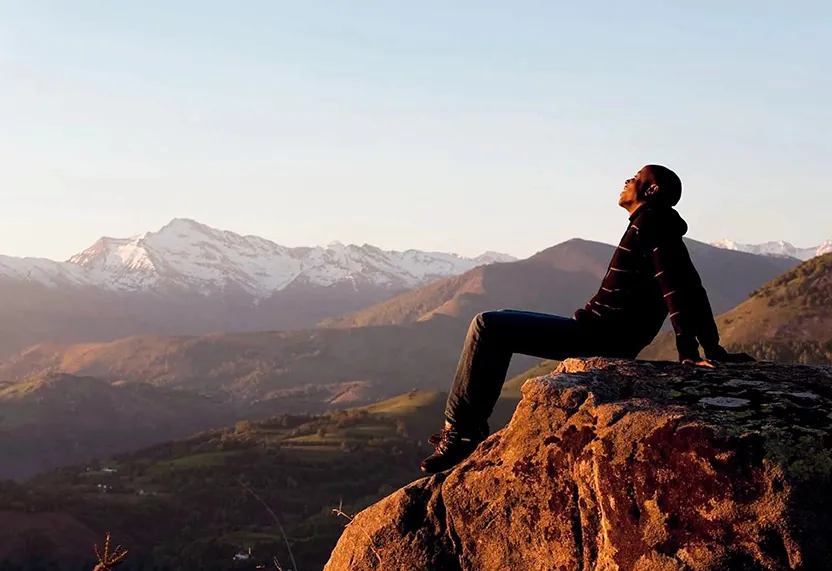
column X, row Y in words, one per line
column 650, row 275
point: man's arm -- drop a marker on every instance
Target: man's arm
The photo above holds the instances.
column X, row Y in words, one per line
column 686, row 299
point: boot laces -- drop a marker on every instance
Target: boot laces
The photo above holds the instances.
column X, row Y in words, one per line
column 448, row 437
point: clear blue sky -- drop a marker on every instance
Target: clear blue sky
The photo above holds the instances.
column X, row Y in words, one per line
column 447, row 125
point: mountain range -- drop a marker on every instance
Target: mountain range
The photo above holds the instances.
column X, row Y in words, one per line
column 411, row 341
column 188, row 278
column 195, row 320
column 559, row 280
column 777, row 248
column 186, row 256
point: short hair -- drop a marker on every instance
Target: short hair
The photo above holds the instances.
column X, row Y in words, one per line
column 669, row 183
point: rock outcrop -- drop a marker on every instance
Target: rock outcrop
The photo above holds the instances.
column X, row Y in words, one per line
column 621, row 465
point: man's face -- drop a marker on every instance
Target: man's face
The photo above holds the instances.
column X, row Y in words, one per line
column 629, row 195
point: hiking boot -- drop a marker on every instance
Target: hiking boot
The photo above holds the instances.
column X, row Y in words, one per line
column 452, row 447
column 435, row 439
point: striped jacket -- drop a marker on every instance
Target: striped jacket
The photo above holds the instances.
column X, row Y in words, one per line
column 650, row 275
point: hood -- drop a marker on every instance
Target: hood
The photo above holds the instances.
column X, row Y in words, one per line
column 671, row 220
column 664, row 218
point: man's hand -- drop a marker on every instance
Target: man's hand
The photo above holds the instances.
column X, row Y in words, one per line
column 701, row 363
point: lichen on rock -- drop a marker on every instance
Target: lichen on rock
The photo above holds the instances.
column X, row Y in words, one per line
column 626, row 465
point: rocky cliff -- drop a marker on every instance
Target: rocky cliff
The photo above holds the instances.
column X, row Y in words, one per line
column 618, row 465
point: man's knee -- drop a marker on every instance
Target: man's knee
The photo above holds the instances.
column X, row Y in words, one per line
column 486, row 320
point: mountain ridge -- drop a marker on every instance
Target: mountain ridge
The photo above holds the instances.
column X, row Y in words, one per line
column 569, row 272
column 776, row 248
column 54, row 418
column 189, row 278
column 413, row 342
column 186, row 255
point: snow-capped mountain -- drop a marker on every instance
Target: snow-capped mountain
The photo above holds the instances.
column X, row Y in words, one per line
column 490, row 257
column 43, row 271
column 778, row 248
column 192, row 257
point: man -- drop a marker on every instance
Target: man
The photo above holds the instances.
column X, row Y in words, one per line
column 649, row 276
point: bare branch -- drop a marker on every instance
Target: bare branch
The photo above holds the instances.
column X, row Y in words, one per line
column 275, row 518
column 109, row 559
column 340, row 512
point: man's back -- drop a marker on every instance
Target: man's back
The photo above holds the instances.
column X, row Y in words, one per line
column 650, row 275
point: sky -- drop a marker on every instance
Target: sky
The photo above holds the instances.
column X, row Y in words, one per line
column 457, row 126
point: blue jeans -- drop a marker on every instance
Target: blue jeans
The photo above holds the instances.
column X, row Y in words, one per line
column 493, row 338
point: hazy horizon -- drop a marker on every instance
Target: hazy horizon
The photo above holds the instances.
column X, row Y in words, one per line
column 243, row 233
column 458, row 128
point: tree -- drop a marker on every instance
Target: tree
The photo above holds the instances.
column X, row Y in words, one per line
column 401, row 428
column 243, row 427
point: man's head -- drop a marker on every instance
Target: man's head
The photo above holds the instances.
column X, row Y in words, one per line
column 653, row 184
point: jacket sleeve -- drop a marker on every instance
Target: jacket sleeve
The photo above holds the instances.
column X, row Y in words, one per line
column 686, row 299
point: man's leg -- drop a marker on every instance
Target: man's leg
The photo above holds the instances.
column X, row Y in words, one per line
column 493, row 337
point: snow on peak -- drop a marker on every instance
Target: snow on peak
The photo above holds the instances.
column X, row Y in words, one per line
column 185, row 255
column 776, row 248
column 47, row 272
column 114, row 254
column 491, row 257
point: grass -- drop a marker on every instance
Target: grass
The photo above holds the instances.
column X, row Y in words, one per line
column 367, row 431
column 315, row 440
column 407, row 404
column 200, row 460
column 323, row 452
column 18, row 389
column 513, row 386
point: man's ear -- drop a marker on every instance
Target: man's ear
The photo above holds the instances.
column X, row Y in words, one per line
column 652, row 190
